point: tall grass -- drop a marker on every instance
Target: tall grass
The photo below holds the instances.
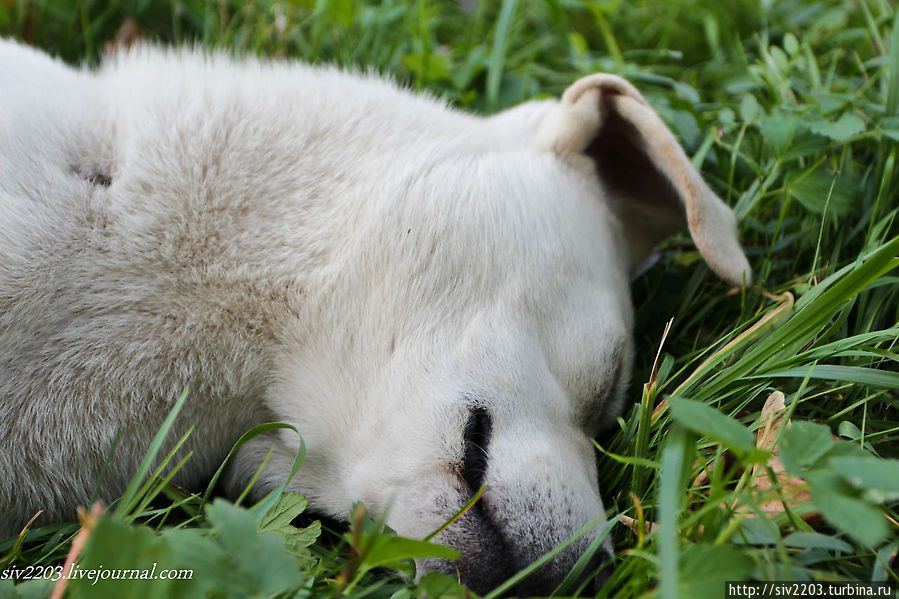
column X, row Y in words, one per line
column 791, row 110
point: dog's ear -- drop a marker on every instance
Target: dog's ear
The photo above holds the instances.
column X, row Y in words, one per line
column 649, row 182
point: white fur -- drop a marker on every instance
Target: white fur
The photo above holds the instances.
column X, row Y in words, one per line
column 304, row 245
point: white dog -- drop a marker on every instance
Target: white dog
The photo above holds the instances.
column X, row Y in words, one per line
column 435, row 300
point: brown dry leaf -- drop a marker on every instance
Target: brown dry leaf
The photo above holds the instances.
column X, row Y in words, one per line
column 650, row 527
column 795, row 490
column 634, row 525
column 771, row 420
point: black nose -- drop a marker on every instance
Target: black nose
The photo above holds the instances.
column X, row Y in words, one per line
column 478, row 431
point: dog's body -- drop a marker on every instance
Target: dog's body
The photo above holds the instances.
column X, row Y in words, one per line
column 435, row 300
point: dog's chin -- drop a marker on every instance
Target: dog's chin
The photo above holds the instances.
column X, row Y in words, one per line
column 485, row 574
column 480, row 577
column 489, row 558
column 486, row 560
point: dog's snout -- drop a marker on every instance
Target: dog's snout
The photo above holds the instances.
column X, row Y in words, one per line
column 478, row 431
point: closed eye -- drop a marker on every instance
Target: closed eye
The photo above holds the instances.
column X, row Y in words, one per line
column 478, row 430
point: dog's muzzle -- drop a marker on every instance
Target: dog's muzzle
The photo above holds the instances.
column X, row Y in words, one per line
column 489, row 558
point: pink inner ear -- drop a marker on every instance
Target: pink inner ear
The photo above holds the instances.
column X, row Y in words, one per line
column 638, row 191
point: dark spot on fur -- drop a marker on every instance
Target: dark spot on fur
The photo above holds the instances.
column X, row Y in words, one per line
column 99, row 179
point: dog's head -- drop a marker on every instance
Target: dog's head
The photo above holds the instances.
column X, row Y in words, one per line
column 478, row 331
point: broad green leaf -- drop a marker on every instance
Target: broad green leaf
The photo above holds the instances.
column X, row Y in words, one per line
column 231, row 523
column 755, row 531
column 778, row 129
column 260, row 559
column 805, row 144
column 842, row 449
column 803, row 444
column 288, row 507
column 712, row 424
column 435, row 584
column 814, row 540
column 704, row 568
column 137, row 555
column 821, row 190
column 840, row 130
column 297, row 540
column 30, row 589
column 791, row 44
column 849, row 430
column 279, row 518
column 844, row 510
column 686, row 128
column 780, row 59
column 878, row 477
column 749, row 109
column 387, row 551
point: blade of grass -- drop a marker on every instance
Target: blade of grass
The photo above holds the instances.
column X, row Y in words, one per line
column 892, row 71
column 459, row 514
column 250, row 434
column 671, row 492
column 498, row 53
column 851, row 374
column 144, row 495
column 161, row 484
column 102, row 477
column 811, row 313
column 266, row 503
column 130, row 494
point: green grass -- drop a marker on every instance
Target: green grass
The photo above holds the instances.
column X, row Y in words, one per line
column 790, row 109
